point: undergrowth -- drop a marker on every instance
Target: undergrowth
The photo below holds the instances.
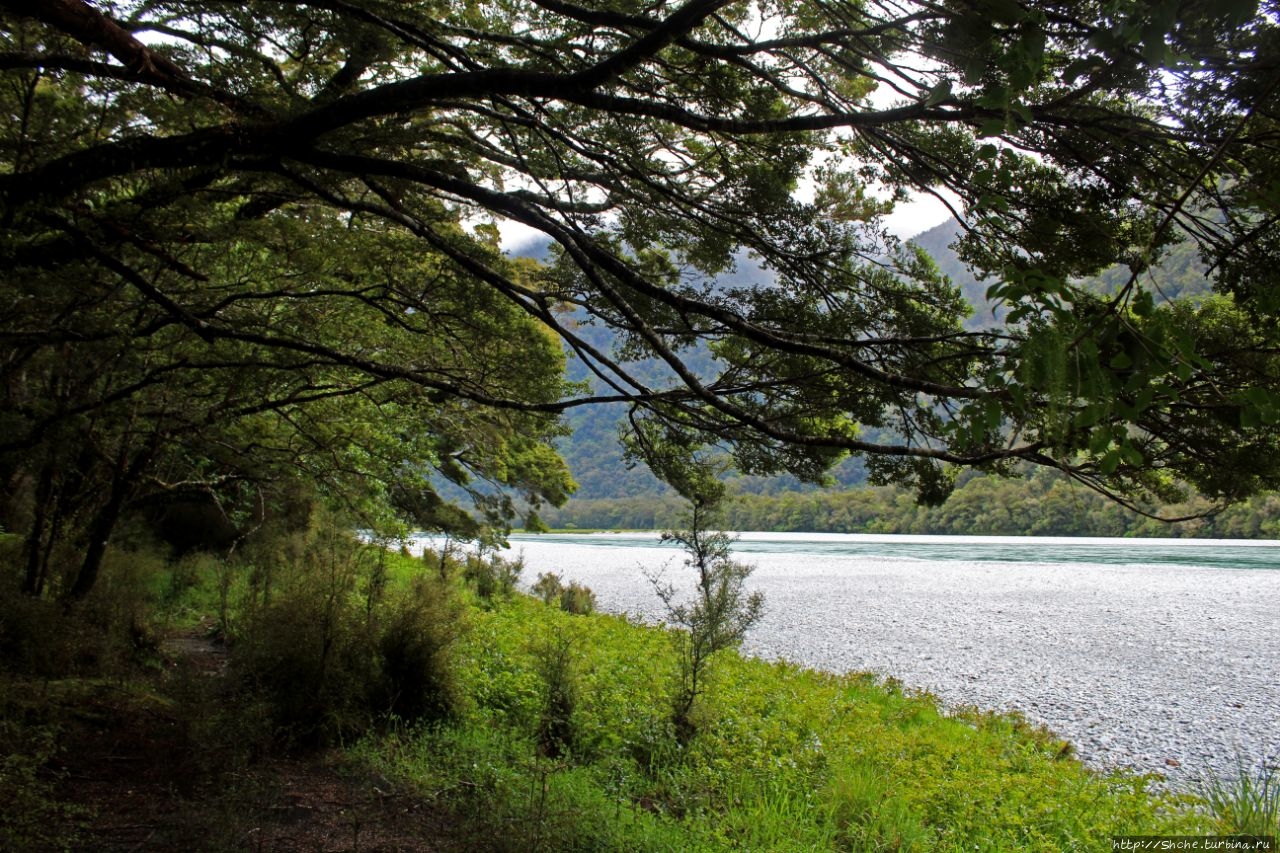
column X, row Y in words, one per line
column 532, row 727
column 785, row 758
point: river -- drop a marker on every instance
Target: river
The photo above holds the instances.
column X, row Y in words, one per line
column 1160, row 655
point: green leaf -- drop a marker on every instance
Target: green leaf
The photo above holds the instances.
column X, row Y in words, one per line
column 992, row 127
column 1088, row 416
column 975, row 69
column 1075, row 70
column 1236, row 11
column 1099, row 441
column 1002, row 11
column 1260, row 397
column 995, row 417
column 1131, row 455
column 938, row 94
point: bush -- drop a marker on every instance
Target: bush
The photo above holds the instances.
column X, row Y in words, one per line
column 106, row 634
column 578, row 599
column 574, row 598
column 33, row 818
column 34, row 636
column 306, row 661
column 338, row 646
column 549, row 588
column 557, row 733
column 416, row 681
column 492, row 577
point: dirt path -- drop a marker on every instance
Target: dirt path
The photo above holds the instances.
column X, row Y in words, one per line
column 143, row 773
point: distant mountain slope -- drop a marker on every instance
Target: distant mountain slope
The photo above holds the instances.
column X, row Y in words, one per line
column 1179, row 274
column 592, row 450
column 937, row 242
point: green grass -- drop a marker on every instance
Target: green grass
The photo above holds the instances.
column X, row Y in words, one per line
column 785, row 758
column 1246, row 804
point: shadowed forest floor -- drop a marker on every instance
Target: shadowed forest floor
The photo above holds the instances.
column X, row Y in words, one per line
column 134, row 774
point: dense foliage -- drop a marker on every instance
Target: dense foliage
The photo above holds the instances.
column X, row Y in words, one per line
column 1041, row 504
column 253, row 245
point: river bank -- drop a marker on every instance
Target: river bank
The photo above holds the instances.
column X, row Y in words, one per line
column 1154, row 665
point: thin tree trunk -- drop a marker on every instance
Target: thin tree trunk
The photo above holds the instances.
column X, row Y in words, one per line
column 33, row 581
column 104, row 523
column 99, row 535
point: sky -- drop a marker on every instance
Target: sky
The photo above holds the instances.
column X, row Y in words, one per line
column 907, row 220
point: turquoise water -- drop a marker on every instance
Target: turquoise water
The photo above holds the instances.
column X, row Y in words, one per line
column 1234, row 554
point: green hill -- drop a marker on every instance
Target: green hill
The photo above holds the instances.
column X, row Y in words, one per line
column 592, row 449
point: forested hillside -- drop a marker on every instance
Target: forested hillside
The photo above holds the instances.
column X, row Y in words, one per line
column 612, row 494
column 1042, row 503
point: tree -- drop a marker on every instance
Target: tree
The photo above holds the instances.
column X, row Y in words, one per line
column 184, row 171
column 719, row 612
column 111, row 405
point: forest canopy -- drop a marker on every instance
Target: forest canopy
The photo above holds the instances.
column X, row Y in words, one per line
column 253, row 245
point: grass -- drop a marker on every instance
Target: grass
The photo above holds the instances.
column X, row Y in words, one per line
column 1246, row 804
column 785, row 758
column 561, row 739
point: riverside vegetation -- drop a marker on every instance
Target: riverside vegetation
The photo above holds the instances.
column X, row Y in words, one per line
column 251, row 266
column 1038, row 504
column 492, row 720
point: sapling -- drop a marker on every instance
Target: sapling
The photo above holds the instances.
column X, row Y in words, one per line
column 720, row 611
column 716, row 616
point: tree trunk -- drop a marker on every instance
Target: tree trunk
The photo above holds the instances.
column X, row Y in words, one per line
column 33, row 581
column 104, row 522
column 100, row 530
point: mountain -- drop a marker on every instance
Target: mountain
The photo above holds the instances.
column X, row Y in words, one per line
column 937, row 243
column 592, row 450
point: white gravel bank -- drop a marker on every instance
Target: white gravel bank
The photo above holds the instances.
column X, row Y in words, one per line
column 1168, row 669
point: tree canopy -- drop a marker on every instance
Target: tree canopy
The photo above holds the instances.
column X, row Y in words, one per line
column 262, row 237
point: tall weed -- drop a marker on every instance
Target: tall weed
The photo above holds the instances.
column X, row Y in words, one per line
column 1246, row 804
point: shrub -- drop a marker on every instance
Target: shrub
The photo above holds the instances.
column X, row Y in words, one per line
column 578, row 599
column 574, row 598
column 112, row 630
column 416, row 680
column 303, row 648
column 492, row 577
column 304, row 659
column 33, row 818
column 557, row 733
column 339, row 644
column 549, row 587
column 34, row 636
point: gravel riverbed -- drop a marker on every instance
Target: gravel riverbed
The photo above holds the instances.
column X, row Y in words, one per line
column 1170, row 669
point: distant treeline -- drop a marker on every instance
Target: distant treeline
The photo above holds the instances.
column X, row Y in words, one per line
column 1043, row 504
